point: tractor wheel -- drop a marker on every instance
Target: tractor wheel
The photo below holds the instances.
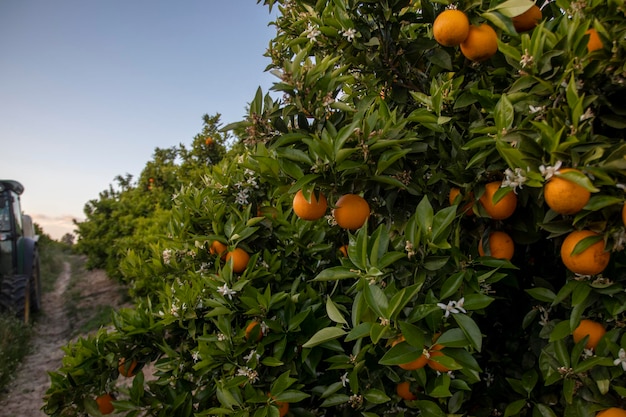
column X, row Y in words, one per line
column 15, row 296
column 35, row 285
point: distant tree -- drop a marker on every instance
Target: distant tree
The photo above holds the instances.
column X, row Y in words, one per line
column 68, row 239
column 117, row 221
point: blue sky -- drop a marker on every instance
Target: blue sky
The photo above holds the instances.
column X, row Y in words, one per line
column 88, row 89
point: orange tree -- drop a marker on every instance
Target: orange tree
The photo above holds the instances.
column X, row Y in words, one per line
column 132, row 215
column 373, row 105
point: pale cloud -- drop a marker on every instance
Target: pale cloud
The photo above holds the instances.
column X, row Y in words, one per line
column 55, row 226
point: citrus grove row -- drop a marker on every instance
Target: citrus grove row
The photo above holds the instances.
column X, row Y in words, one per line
column 425, row 216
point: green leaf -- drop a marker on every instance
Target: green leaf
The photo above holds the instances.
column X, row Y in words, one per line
column 413, row 335
column 451, row 285
column 587, row 364
column 579, row 178
column 424, row 215
column 430, row 409
column 281, row 383
column 376, row 299
column 541, row 294
column 544, row 410
column 291, row 396
column 271, row 361
column 454, row 337
column 335, row 273
column 376, row 396
column 560, row 331
column 504, row 114
column 477, row 301
column 333, row 312
column 359, row 332
column 512, row 8
column 471, row 330
column 401, row 353
column 324, row 335
column 442, row 221
column 335, row 400
column 514, row 408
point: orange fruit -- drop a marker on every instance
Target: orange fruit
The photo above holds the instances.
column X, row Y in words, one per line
column 434, row 364
column 403, row 389
column 418, row 363
column 240, row 259
column 590, row 328
column 451, row 27
column 481, row 43
column 344, row 250
column 612, row 412
column 467, row 207
column 504, row 208
column 624, row 214
column 126, row 370
column 351, row 211
column 104, row 403
column 217, row 248
column 208, row 141
column 565, row 196
column 312, row 210
column 591, row 261
column 500, row 244
column 250, row 330
column 594, row 42
column 283, row 408
column 528, row 20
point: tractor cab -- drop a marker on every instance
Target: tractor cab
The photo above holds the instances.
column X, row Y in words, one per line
column 20, row 283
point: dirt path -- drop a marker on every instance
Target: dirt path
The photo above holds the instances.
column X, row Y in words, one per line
column 52, row 331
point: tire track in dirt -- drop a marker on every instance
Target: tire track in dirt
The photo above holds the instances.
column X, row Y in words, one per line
column 25, row 397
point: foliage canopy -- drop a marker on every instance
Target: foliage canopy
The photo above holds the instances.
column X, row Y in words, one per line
column 372, row 105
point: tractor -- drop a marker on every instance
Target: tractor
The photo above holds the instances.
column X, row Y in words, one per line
column 20, row 281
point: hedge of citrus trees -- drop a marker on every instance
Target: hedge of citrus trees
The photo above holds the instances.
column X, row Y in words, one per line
column 428, row 220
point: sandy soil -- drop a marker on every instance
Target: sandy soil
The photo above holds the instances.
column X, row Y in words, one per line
column 52, row 331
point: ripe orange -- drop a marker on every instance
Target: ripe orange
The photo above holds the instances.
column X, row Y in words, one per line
column 126, row 370
column 591, row 261
column 564, row 196
column 312, row 210
column 481, row 43
column 624, row 214
column 418, row 363
column 590, row 328
column 351, row 211
column 217, row 248
column 344, row 250
column 528, row 20
column 500, row 244
column 250, row 329
column 404, row 391
column 504, row 208
column 208, row 141
column 612, row 412
column 451, row 27
column 467, row 207
column 283, row 408
column 594, row 42
column 240, row 259
column 104, row 403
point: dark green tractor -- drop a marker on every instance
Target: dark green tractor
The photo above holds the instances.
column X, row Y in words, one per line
column 20, row 283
